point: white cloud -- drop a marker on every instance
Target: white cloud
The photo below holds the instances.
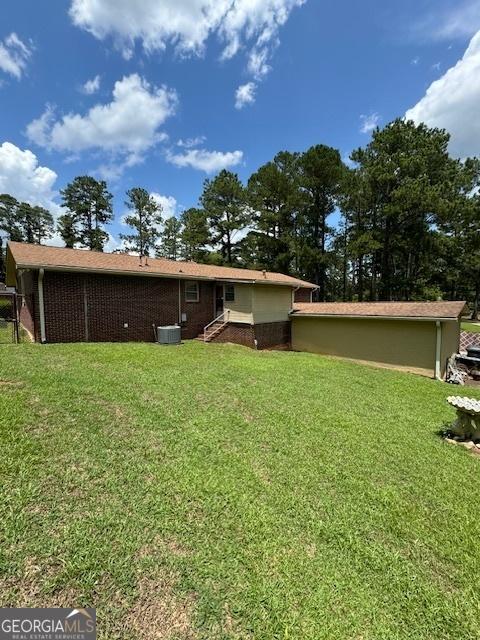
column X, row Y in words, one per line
column 168, row 203
column 207, row 161
column 126, row 127
column 461, row 20
column 245, row 94
column 346, row 159
column 114, row 168
column 91, row 86
column 451, row 102
column 369, row 122
column 258, row 62
column 112, row 244
column 186, row 24
column 189, row 143
column 250, row 25
column 14, row 55
column 22, row 177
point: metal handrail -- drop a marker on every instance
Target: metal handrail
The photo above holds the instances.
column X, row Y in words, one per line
column 223, row 315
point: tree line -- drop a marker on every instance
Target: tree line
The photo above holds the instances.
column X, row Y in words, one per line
column 399, row 221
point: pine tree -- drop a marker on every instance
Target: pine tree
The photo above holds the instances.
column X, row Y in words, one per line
column 170, row 239
column 274, row 197
column 90, row 204
column 405, row 172
column 321, row 174
column 225, row 204
column 36, row 223
column 195, row 235
column 67, row 228
column 144, row 219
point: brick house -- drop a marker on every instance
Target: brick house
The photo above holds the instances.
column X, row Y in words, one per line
column 71, row 295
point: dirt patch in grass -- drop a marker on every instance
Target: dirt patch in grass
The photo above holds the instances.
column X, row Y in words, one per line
column 29, row 590
column 12, row 383
column 114, row 409
column 161, row 545
column 159, row 613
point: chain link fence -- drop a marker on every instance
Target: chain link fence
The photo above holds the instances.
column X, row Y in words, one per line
column 9, row 325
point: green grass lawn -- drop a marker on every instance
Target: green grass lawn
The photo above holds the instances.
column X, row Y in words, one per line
column 214, row 492
column 7, row 335
column 470, row 326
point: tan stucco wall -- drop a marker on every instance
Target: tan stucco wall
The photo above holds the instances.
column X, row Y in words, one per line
column 257, row 304
column 404, row 344
column 241, row 310
column 450, row 341
column 271, row 303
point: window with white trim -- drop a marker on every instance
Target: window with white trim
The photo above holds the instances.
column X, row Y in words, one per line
column 191, row 292
column 229, row 293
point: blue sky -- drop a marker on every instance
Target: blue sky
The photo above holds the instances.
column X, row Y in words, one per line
column 311, row 72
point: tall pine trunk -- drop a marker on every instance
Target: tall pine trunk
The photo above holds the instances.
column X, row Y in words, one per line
column 386, row 271
column 360, row 279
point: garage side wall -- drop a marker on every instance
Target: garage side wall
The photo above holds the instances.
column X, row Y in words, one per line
column 408, row 345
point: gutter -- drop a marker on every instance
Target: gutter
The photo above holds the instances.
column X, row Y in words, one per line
column 180, row 276
column 438, row 351
column 41, row 306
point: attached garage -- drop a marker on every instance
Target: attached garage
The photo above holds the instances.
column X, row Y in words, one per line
column 413, row 336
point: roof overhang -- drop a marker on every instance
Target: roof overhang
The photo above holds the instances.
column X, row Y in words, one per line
column 174, row 276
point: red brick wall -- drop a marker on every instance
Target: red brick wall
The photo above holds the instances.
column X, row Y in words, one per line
column 113, row 301
column 64, row 309
column 137, row 301
column 303, row 295
column 237, row 333
column 200, row 313
column 267, row 335
column 273, row 334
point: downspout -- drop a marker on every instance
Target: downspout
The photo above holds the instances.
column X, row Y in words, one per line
column 438, row 351
column 41, row 305
column 179, row 303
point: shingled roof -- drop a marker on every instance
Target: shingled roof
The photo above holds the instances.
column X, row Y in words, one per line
column 31, row 256
column 412, row 310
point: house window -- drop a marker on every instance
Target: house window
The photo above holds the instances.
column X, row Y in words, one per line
column 229, row 293
column 191, row 292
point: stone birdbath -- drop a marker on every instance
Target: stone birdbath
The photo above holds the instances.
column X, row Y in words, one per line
column 467, row 424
